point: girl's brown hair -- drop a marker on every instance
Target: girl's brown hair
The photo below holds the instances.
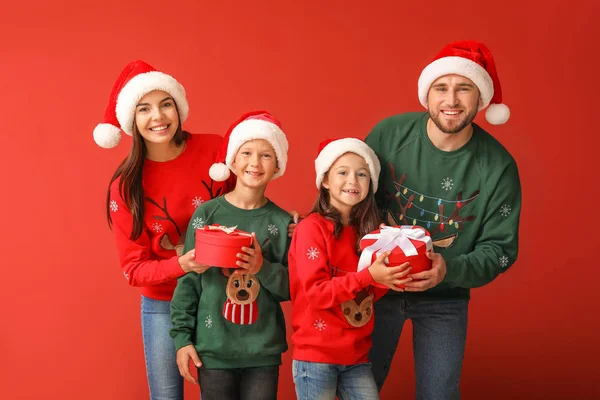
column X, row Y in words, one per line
column 130, row 185
column 364, row 216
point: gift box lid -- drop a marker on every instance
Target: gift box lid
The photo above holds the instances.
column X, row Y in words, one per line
column 223, row 236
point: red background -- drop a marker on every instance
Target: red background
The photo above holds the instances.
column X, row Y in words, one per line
column 70, row 324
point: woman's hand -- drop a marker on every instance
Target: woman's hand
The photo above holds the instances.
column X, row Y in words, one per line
column 253, row 258
column 184, row 356
column 188, row 264
column 390, row 276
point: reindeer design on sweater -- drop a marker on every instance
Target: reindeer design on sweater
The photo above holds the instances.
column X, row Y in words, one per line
column 358, row 311
column 165, row 240
column 242, row 291
column 441, row 222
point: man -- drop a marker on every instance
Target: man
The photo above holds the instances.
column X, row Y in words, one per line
column 443, row 172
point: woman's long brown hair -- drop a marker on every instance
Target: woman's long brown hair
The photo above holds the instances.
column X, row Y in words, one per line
column 364, row 216
column 130, row 185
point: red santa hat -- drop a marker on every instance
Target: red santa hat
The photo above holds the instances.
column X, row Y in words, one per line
column 473, row 60
column 250, row 126
column 136, row 80
column 332, row 149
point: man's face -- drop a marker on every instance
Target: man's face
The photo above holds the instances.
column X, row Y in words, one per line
column 453, row 101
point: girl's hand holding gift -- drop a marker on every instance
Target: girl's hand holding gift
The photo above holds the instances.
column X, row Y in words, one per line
column 390, row 276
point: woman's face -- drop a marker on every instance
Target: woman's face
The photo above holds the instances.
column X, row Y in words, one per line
column 156, row 117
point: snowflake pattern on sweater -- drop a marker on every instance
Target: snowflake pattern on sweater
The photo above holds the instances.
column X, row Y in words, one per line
column 196, row 201
column 312, row 253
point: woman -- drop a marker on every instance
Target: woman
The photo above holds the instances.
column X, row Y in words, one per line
column 150, row 200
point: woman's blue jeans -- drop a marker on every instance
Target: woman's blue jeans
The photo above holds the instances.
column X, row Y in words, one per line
column 164, row 380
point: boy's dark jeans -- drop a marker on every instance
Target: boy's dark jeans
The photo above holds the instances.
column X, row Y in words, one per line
column 259, row 383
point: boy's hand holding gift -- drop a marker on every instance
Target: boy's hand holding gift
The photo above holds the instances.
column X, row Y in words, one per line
column 403, row 244
column 252, row 259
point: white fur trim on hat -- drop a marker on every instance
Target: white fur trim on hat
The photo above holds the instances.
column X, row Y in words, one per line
column 254, row 128
column 337, row 148
column 107, row 135
column 138, row 87
column 459, row 66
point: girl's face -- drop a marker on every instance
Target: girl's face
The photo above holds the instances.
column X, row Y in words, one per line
column 156, row 117
column 348, row 182
column 255, row 163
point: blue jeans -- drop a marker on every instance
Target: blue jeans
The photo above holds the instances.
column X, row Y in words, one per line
column 164, row 380
column 439, row 337
column 318, row 381
column 258, row 383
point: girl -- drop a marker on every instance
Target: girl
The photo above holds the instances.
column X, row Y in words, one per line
column 332, row 303
column 230, row 324
column 150, row 200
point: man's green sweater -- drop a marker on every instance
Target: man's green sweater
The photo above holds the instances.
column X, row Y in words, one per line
column 468, row 199
column 201, row 310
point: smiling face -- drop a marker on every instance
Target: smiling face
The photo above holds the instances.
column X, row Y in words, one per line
column 255, row 163
column 156, row 117
column 348, row 182
column 453, row 102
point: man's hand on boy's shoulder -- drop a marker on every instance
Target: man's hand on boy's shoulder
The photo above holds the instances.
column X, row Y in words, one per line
column 295, row 218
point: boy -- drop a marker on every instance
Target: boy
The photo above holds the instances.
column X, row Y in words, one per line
column 230, row 323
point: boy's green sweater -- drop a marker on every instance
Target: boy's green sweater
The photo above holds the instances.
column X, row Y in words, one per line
column 197, row 307
column 468, row 199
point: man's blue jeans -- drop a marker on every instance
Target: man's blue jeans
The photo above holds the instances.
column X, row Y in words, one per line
column 318, row 381
column 164, row 380
column 439, row 337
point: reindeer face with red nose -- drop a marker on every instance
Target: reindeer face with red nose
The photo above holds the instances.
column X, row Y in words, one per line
column 241, row 307
column 242, row 289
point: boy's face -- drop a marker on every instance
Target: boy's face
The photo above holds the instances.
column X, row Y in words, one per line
column 255, row 163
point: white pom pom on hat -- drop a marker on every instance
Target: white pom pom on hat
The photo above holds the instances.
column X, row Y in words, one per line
column 135, row 81
column 250, row 126
column 219, row 172
column 473, row 60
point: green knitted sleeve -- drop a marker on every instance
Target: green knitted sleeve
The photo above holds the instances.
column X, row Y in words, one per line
column 496, row 247
column 273, row 274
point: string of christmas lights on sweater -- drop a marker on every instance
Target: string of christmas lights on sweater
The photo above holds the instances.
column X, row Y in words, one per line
column 402, row 192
